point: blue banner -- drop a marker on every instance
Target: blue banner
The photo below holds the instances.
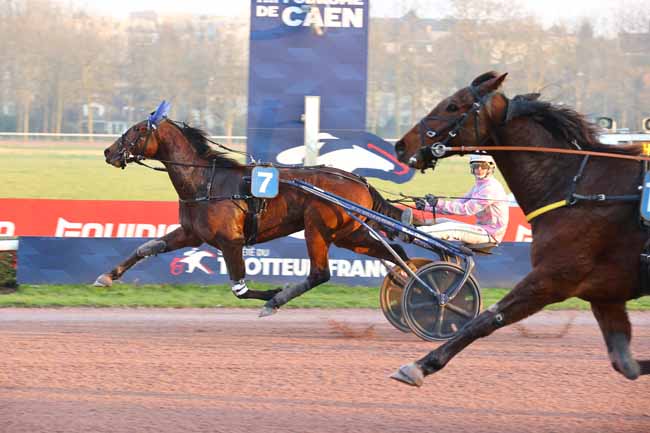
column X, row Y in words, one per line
column 45, row 260
column 297, row 50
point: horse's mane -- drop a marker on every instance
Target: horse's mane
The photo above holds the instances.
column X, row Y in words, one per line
column 199, row 140
column 565, row 124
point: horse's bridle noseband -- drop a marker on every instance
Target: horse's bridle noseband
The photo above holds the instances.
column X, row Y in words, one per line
column 430, row 153
column 125, row 150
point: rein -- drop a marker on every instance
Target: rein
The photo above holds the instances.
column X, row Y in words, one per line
column 138, row 159
column 439, row 151
column 572, row 198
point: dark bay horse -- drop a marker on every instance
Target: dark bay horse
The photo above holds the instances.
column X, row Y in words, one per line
column 584, row 212
column 197, row 171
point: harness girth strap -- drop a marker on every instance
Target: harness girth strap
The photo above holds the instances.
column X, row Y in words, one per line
column 544, row 209
column 256, row 207
column 572, row 197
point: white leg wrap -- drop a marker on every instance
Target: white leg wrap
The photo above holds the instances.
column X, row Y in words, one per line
column 239, row 288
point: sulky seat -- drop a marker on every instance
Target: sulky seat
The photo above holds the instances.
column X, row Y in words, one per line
column 483, row 248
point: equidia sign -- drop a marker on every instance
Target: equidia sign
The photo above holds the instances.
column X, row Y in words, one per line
column 132, row 219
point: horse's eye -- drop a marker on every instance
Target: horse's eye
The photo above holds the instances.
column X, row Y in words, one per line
column 452, row 107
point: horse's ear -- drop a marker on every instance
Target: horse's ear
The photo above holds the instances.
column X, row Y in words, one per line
column 483, row 78
column 491, row 83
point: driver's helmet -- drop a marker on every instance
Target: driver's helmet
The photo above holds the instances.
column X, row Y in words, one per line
column 485, row 161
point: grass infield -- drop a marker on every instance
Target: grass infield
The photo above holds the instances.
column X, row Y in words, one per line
column 78, row 172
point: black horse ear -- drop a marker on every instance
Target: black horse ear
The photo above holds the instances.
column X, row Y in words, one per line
column 491, row 84
column 483, row 78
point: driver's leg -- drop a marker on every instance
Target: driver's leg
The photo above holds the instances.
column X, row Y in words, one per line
column 458, row 231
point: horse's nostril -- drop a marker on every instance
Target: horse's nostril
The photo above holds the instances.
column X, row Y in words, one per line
column 106, row 153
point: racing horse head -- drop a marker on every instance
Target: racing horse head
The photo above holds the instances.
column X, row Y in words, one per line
column 140, row 141
column 583, row 211
column 182, row 149
column 466, row 117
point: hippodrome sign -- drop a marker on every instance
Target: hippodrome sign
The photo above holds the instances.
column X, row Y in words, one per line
column 278, row 261
column 304, row 48
column 336, row 13
column 297, row 50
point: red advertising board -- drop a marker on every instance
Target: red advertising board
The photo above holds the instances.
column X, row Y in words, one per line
column 87, row 218
column 118, row 219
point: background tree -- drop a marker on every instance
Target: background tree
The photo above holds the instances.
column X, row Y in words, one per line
column 60, row 60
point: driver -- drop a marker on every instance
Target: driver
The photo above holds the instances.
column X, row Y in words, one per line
column 487, row 200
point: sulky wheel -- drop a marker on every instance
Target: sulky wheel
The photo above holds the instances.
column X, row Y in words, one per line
column 392, row 288
column 421, row 311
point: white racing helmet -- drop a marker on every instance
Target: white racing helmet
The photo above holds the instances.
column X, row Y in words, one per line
column 481, row 158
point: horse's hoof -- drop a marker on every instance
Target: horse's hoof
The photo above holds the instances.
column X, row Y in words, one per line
column 104, row 280
column 267, row 311
column 628, row 367
column 410, row 374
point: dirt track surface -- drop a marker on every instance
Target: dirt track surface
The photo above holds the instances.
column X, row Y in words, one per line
column 146, row 370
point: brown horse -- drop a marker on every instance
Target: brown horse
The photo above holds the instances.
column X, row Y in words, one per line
column 213, row 207
column 586, row 245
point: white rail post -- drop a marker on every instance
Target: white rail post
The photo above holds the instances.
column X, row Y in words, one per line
column 312, row 127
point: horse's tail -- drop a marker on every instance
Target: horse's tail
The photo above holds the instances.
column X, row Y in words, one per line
column 379, row 204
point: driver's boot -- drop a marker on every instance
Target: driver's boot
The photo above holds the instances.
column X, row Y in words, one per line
column 407, row 220
column 407, row 216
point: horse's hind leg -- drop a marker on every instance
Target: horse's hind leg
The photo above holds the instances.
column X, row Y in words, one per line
column 232, row 254
column 174, row 240
column 529, row 296
column 317, row 248
column 615, row 325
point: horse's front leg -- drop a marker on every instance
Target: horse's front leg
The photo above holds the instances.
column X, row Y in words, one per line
column 179, row 238
column 319, row 272
column 232, row 255
column 529, row 296
column 615, row 325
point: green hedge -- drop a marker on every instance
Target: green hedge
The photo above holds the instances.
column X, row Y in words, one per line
column 7, row 269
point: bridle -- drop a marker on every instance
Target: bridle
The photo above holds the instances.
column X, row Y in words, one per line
column 126, row 149
column 430, row 153
column 127, row 155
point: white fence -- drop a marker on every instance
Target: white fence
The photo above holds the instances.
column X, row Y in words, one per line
column 10, row 135
column 237, row 142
